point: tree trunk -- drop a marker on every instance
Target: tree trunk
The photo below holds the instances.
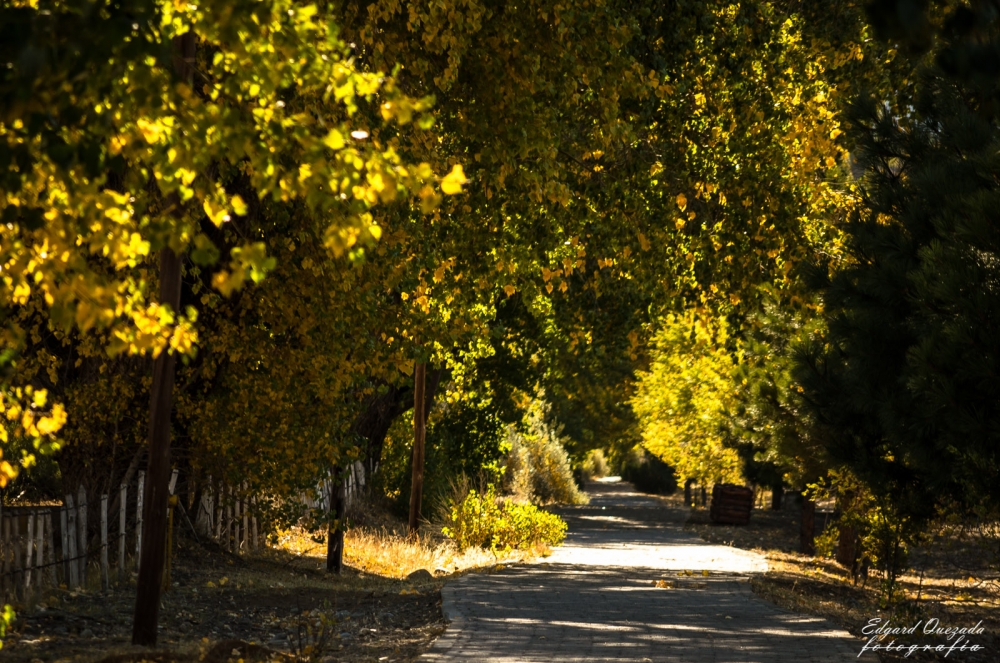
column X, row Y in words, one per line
column 151, row 557
column 147, row 601
column 382, row 409
column 807, row 539
column 335, row 531
column 847, row 547
column 777, row 494
column 419, row 429
column 687, row 492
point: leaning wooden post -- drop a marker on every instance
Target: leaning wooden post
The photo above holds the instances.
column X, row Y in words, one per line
column 81, row 523
column 74, row 567
column 419, row 430
column 105, row 581
column 122, row 502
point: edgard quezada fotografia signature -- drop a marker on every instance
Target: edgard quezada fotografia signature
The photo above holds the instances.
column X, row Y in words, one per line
column 883, row 635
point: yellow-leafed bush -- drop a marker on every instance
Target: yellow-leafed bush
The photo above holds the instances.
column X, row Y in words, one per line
column 486, row 521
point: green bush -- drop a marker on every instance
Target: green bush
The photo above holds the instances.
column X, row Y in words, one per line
column 486, row 521
column 648, row 473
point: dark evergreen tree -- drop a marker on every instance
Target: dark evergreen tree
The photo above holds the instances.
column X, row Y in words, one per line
column 906, row 386
column 767, row 425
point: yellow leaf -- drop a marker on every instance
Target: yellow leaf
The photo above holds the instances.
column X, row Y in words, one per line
column 453, row 181
column 150, row 130
column 682, row 201
column 509, row 289
column 334, row 140
column 239, row 206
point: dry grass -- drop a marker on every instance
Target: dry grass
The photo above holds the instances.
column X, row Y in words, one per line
column 390, row 554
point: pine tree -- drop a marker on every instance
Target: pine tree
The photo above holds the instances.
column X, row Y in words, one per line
column 906, row 388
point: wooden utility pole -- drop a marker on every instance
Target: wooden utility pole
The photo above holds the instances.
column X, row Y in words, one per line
column 154, row 537
column 154, row 516
column 419, row 429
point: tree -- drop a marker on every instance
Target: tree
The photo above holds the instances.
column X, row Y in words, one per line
column 103, row 170
column 767, row 422
column 905, row 385
column 681, row 401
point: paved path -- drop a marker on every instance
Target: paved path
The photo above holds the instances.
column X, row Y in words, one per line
column 594, row 599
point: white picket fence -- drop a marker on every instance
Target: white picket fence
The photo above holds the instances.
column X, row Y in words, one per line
column 229, row 518
column 43, row 546
column 51, row 546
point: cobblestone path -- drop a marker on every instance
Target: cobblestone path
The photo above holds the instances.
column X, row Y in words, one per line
column 594, row 599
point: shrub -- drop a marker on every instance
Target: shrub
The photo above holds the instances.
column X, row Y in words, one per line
column 538, row 468
column 648, row 473
column 595, row 465
column 486, row 521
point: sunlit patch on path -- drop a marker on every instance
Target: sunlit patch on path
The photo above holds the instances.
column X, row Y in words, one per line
column 596, row 599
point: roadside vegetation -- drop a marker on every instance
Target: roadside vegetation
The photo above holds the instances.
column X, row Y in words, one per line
column 378, row 282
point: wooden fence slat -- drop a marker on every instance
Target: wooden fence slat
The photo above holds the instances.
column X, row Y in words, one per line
column 6, row 580
column 16, row 542
column 208, row 504
column 64, row 541
column 123, row 502
column 81, row 528
column 29, row 544
column 229, row 521
column 246, row 520
column 218, row 516
column 39, row 546
column 138, row 520
column 104, row 543
column 50, row 553
column 71, row 553
column 253, row 520
column 236, row 523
